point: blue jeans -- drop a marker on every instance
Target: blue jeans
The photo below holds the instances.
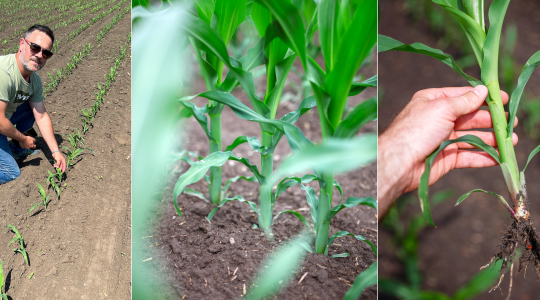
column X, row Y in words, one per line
column 23, row 119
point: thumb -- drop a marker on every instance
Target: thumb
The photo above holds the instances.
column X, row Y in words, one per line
column 468, row 102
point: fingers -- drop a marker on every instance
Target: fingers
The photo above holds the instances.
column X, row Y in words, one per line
column 450, row 92
column 473, row 159
column 468, row 102
column 477, row 119
column 487, row 137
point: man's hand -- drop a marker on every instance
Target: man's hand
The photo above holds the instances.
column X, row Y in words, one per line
column 28, row 142
column 431, row 117
column 59, row 161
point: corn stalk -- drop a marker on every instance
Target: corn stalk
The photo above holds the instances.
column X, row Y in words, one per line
column 485, row 44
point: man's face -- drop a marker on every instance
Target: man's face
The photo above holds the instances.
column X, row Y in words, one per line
column 30, row 60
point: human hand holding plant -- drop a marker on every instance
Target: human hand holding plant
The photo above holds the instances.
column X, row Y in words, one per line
column 59, row 161
column 445, row 113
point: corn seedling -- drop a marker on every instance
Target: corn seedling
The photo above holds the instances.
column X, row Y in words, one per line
column 280, row 60
column 485, row 45
column 55, row 180
column 44, row 198
column 18, row 238
column 2, row 295
column 73, row 153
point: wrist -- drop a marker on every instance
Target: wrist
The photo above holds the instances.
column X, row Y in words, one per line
column 55, row 151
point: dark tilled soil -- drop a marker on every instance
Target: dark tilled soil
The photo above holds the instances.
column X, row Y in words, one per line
column 198, row 255
column 80, row 247
column 467, row 236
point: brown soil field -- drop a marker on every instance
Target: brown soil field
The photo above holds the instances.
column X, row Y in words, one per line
column 80, row 247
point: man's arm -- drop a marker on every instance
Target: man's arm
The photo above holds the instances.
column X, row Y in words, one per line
column 7, row 129
column 45, row 127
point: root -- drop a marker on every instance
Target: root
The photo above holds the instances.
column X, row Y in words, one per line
column 511, row 271
column 483, row 267
column 498, row 284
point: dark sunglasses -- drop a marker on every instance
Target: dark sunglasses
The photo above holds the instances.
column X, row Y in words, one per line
column 37, row 48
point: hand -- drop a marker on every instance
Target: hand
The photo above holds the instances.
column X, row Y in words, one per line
column 60, row 161
column 28, row 142
column 431, row 117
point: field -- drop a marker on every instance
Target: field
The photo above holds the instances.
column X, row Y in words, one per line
column 198, row 256
column 467, row 235
column 79, row 247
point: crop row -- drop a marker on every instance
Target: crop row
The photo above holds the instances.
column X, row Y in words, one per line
column 108, row 27
column 93, row 20
column 68, row 70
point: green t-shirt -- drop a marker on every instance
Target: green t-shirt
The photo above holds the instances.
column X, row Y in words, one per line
column 13, row 88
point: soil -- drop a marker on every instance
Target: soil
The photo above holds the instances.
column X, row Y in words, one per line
column 199, row 258
column 81, row 244
column 467, row 236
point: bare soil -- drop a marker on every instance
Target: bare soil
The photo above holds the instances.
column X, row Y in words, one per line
column 80, row 247
column 467, row 236
column 198, row 257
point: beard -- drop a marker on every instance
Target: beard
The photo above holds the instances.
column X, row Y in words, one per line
column 26, row 63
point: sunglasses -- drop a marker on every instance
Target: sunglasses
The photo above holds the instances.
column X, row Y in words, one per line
column 37, row 48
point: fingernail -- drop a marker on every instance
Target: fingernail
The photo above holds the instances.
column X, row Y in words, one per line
column 480, row 90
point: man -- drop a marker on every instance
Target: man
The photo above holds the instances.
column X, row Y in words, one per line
column 21, row 102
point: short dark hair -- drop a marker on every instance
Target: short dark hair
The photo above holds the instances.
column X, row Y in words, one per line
column 41, row 28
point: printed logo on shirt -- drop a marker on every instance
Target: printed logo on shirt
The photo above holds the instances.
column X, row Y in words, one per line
column 21, row 97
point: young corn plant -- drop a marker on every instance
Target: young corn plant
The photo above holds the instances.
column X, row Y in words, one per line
column 18, row 237
column 486, row 44
column 347, row 35
column 279, row 60
column 54, row 180
column 44, row 198
column 2, row 295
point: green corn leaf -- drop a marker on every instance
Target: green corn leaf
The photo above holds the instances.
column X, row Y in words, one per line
column 341, row 255
column 1, row 276
column 356, row 45
column 254, row 58
column 358, row 87
column 313, row 203
column 281, row 71
column 261, row 18
column 199, row 169
column 475, row 9
column 237, row 198
column 284, row 184
column 306, row 104
column 358, row 117
column 228, row 14
column 211, row 42
column 32, row 208
column 533, row 153
column 490, row 67
column 195, row 193
column 526, row 73
column 423, row 187
column 331, row 156
column 313, row 26
column 362, row 281
column 464, row 196
column 306, row 246
column 297, row 214
column 41, row 190
column 209, row 73
column 292, row 26
column 295, row 137
column 474, row 32
column 205, row 9
column 336, row 184
column 328, row 36
column 351, row 202
column 358, row 237
column 387, row 44
column 252, row 141
column 198, row 114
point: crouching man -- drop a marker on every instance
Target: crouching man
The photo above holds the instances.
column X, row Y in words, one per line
column 21, row 103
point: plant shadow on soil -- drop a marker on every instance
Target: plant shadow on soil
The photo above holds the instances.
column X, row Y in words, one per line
column 215, row 260
column 469, row 235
